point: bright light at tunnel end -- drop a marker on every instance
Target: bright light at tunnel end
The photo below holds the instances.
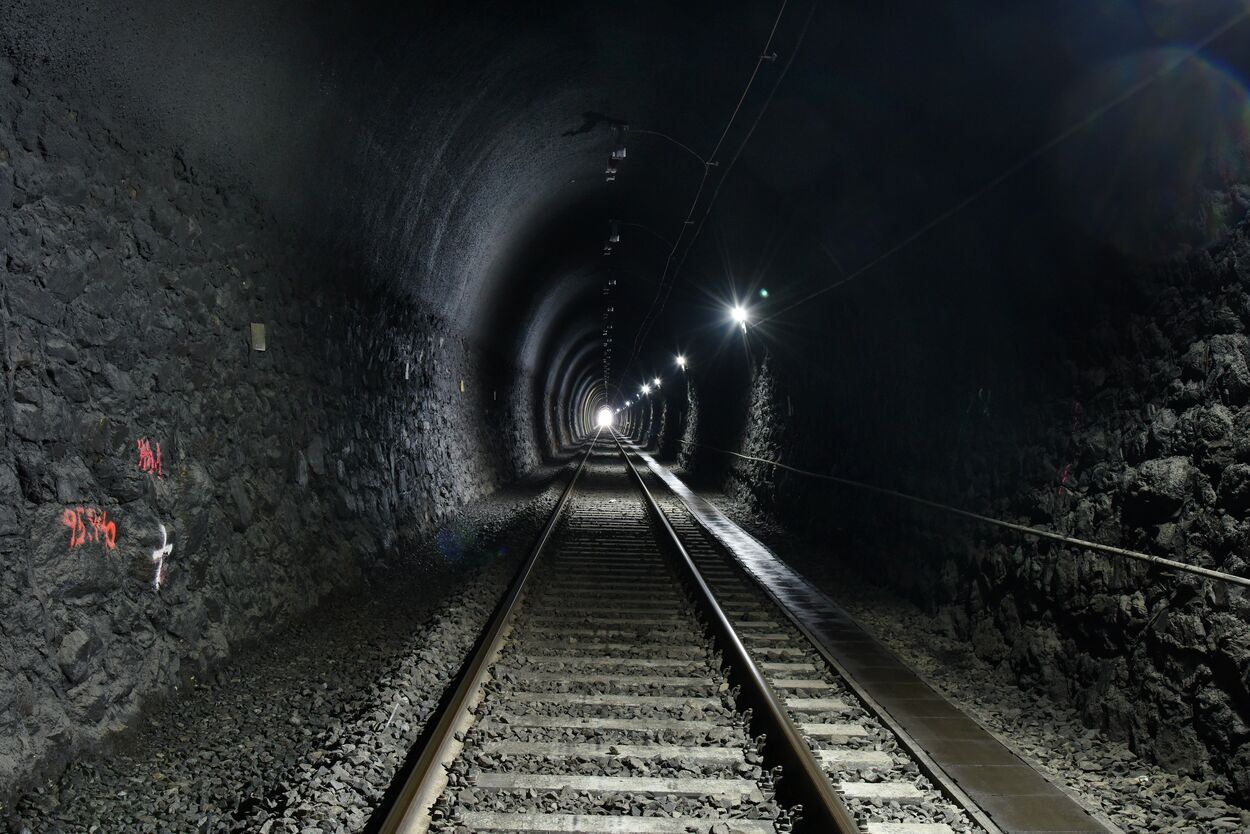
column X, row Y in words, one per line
column 604, row 418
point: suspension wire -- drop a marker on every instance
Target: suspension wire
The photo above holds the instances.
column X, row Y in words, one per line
column 648, row 230
column 1011, row 170
column 1159, row 561
column 764, row 56
column 681, row 145
column 645, row 326
column 734, row 161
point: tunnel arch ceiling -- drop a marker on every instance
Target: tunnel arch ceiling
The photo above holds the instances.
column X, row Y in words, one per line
column 430, row 146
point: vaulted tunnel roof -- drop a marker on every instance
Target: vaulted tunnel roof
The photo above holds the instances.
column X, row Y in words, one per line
column 455, row 153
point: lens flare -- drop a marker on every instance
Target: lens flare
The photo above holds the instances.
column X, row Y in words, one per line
column 1156, row 175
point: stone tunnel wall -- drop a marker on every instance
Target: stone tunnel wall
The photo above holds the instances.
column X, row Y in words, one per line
column 1146, row 444
column 133, row 400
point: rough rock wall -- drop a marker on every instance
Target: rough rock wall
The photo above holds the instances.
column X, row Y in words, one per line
column 690, row 427
column 1152, row 452
column 763, row 436
column 676, row 421
column 166, row 490
column 1147, row 447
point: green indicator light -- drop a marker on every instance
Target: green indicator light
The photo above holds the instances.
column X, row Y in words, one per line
column 763, row 293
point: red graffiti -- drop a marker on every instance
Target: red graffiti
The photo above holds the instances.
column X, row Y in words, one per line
column 1063, row 477
column 149, row 461
column 87, row 524
column 1078, row 422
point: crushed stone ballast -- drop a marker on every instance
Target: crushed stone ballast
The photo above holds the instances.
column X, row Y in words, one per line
column 615, row 691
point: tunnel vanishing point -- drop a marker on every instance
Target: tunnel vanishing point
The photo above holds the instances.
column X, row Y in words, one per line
column 328, row 328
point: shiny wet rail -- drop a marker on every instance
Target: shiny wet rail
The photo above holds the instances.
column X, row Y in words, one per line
column 637, row 678
column 970, row 765
column 597, row 700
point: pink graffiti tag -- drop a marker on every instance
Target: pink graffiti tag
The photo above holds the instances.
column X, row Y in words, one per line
column 77, row 530
column 149, row 461
column 88, row 524
column 1078, row 420
column 1063, row 478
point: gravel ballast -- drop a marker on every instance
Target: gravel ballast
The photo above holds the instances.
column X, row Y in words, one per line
column 1136, row 795
column 304, row 731
column 584, row 671
column 929, row 806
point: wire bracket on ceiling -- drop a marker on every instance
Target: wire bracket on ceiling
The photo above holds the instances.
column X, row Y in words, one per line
column 614, row 236
column 618, row 141
column 617, row 153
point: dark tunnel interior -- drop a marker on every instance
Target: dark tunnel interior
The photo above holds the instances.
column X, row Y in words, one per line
column 291, row 288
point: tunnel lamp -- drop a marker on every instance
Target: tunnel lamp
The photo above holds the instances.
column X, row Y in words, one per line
column 646, row 389
column 628, row 403
column 656, row 382
column 681, row 361
column 740, row 316
column 604, row 417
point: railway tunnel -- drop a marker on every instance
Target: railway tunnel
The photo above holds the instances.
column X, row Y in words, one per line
column 900, row 349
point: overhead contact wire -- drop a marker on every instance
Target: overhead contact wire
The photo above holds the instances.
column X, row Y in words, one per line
column 645, row 326
column 734, row 161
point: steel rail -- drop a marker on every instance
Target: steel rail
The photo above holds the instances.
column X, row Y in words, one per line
column 922, row 759
column 803, row 782
column 409, row 809
column 1110, row 549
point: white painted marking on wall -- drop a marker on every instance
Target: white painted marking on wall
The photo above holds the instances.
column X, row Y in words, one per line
column 158, row 557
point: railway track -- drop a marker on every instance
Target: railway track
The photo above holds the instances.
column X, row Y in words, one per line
column 634, row 680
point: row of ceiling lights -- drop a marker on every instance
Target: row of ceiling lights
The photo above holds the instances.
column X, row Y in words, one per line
column 618, row 152
column 738, row 313
column 740, row 316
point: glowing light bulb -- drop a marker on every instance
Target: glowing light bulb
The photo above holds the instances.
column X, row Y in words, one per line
column 681, row 361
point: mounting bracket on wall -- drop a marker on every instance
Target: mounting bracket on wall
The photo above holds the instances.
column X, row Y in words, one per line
column 258, row 337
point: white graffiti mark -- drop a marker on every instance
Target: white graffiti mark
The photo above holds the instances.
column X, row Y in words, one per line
column 158, row 557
